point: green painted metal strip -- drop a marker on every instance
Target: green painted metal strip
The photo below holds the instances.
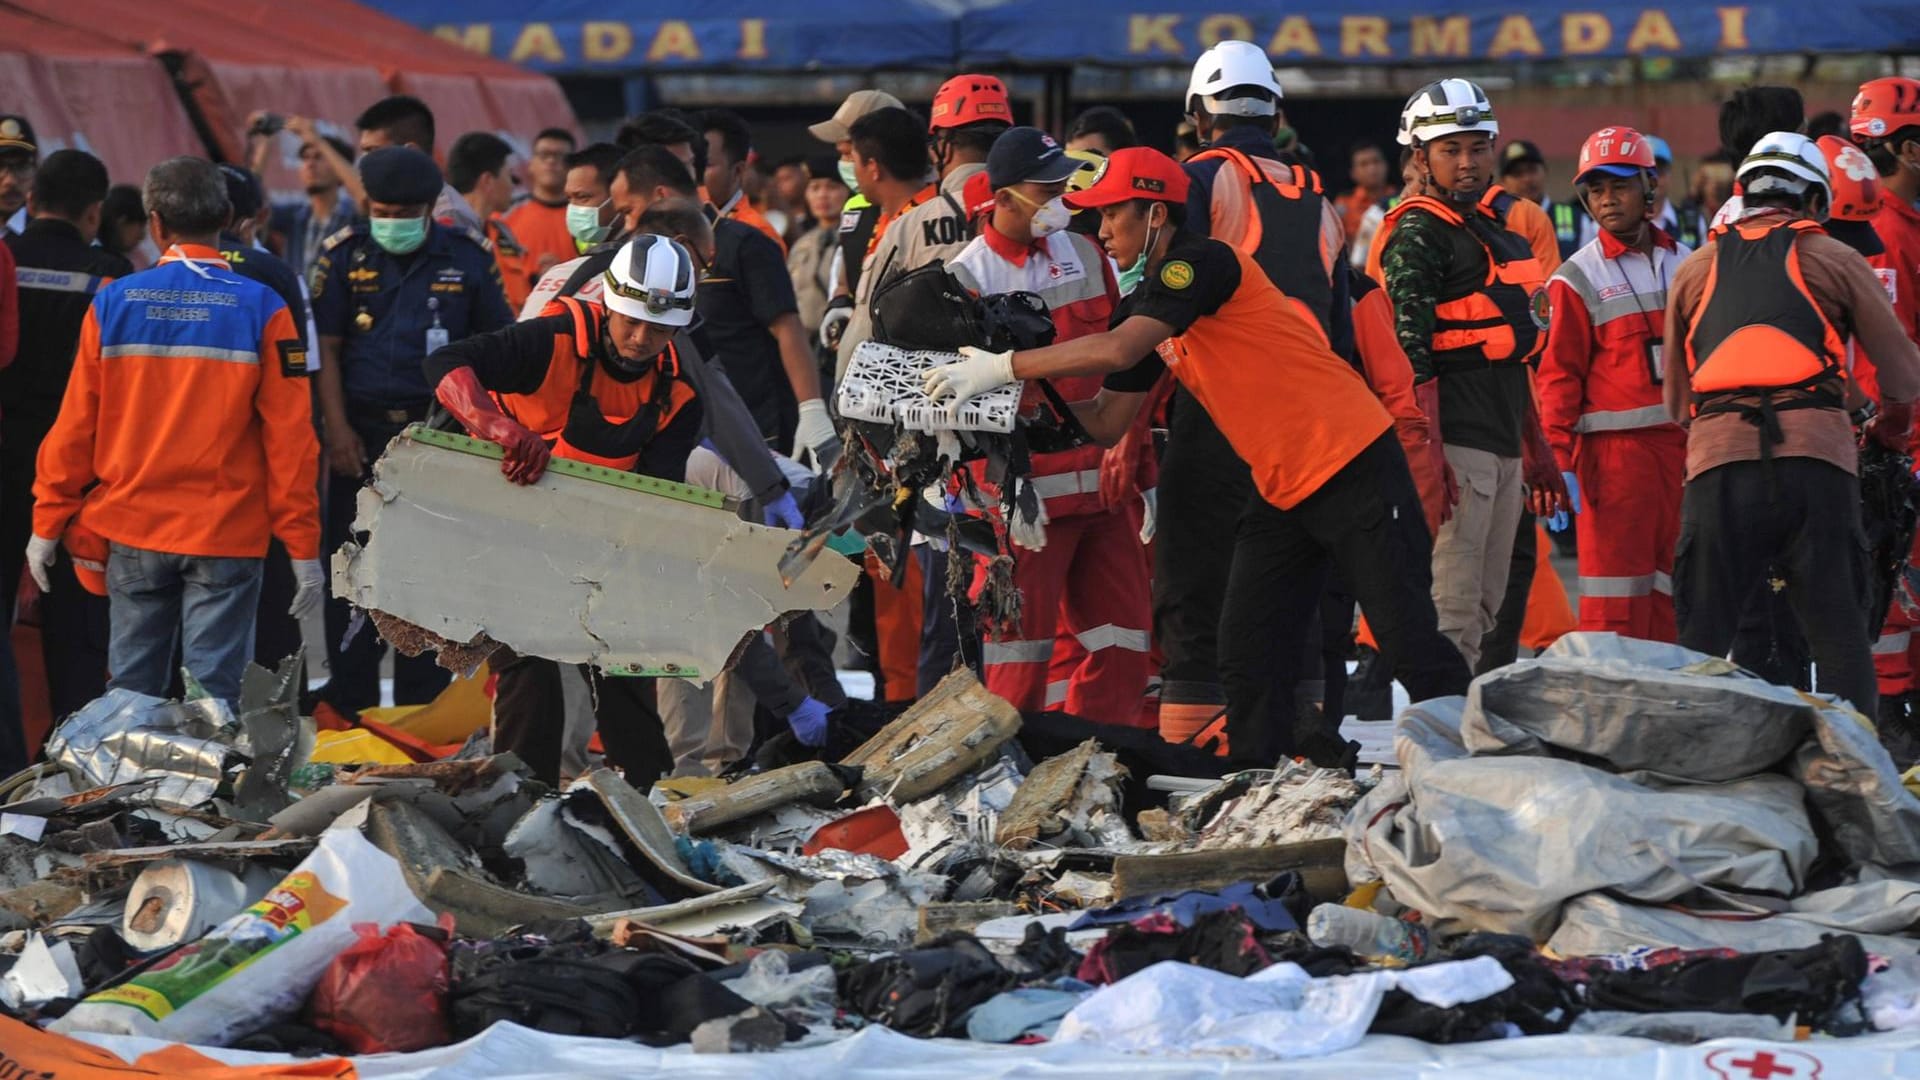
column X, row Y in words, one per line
column 666, row 489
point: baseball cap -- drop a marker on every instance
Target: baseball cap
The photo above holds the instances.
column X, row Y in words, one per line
column 1026, row 155
column 1138, row 172
column 858, row 104
column 16, row 134
column 1662, row 153
column 1520, row 152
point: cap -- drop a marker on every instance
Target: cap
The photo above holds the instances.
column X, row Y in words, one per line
column 16, row 134
column 1026, row 155
column 1662, row 153
column 243, row 191
column 1519, row 152
column 400, row 175
column 970, row 99
column 823, row 166
column 858, row 104
column 1138, row 172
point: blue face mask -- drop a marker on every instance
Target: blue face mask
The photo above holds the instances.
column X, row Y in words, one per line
column 399, row 236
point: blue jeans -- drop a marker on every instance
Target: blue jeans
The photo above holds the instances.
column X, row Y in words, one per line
column 204, row 605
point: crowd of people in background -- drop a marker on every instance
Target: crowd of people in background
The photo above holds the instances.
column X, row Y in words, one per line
column 1335, row 411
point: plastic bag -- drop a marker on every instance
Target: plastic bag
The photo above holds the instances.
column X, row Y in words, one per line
column 258, row 967
column 387, row 991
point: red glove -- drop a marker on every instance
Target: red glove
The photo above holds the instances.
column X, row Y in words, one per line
column 526, row 453
column 1892, row 426
column 1546, row 488
column 1427, row 396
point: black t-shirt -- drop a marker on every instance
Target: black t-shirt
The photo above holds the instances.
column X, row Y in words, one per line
column 747, row 288
column 1485, row 409
column 1200, row 274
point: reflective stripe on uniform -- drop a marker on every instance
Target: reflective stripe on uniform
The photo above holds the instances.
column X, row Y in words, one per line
column 1110, row 636
column 1894, row 644
column 1663, row 583
column 1016, row 652
column 1614, row 587
column 1057, row 692
column 1624, row 419
column 181, row 352
column 1084, row 482
column 73, row 281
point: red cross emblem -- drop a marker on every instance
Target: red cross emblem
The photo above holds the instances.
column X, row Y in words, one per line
column 1764, row 1065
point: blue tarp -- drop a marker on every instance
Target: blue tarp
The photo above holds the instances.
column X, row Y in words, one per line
column 764, row 35
column 578, row 36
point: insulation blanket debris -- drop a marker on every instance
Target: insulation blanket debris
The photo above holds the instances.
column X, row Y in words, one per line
column 570, row 569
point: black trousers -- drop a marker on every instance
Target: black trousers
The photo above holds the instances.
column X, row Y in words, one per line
column 75, row 626
column 355, row 682
column 1501, row 646
column 276, row 633
column 529, row 718
column 1203, row 487
column 1367, row 522
column 1803, row 522
column 1769, row 642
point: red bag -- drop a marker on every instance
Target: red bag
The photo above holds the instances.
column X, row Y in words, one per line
column 387, row 992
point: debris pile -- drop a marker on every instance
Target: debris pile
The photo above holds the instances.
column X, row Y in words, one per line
column 180, row 873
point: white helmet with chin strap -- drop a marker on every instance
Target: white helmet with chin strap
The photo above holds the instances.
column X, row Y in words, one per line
column 651, row 279
column 1785, row 161
column 1233, row 65
column 1447, row 107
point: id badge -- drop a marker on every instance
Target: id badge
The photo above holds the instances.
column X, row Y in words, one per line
column 436, row 339
column 1656, row 362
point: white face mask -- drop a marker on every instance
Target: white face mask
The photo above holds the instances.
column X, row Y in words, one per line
column 1049, row 219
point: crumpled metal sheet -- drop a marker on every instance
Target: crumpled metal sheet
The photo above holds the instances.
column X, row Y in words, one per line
column 568, row 569
column 123, row 736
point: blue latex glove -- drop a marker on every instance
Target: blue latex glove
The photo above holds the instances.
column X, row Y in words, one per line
column 809, row 722
column 1558, row 521
column 785, row 512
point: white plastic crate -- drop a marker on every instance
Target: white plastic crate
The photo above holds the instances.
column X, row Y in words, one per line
column 882, row 385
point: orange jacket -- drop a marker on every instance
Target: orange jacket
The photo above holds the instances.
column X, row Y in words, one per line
column 1391, row 377
column 187, row 425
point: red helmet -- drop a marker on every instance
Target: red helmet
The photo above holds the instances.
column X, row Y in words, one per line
column 1855, row 182
column 970, row 99
column 1620, row 151
column 1884, row 106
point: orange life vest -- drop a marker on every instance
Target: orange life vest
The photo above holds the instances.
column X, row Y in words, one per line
column 1272, row 213
column 1492, row 307
column 1758, row 328
column 571, row 393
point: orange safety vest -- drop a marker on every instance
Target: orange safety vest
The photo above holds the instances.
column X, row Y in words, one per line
column 640, row 408
column 1272, row 213
column 1763, row 331
column 1493, row 306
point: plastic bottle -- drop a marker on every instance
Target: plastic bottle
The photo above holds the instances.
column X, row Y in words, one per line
column 1367, row 933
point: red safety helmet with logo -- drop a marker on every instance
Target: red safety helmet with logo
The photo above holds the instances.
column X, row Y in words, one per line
column 970, row 99
column 1855, row 182
column 1616, row 151
column 1884, row 106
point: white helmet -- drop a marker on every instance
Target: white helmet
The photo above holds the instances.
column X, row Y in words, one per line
column 1784, row 161
column 1444, row 108
column 651, row 279
column 1227, row 66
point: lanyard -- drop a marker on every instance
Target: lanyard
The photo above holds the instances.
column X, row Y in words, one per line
column 174, row 252
column 1655, row 273
column 919, row 197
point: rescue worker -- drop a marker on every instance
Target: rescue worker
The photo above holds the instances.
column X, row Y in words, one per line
column 892, row 169
column 1885, row 123
column 19, row 157
column 404, row 120
column 969, row 112
column 1523, row 175
column 1080, row 564
column 605, row 387
column 186, row 372
column 540, row 221
column 1601, row 399
column 1242, row 194
column 1332, row 487
column 1470, row 310
column 59, row 270
column 479, row 168
column 729, row 158
column 1771, row 454
column 386, row 294
column 859, row 218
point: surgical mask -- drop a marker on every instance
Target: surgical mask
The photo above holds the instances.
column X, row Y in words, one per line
column 399, row 236
column 1130, row 277
column 584, row 224
column 1048, row 217
column 849, row 176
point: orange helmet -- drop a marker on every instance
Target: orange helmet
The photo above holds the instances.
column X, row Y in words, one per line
column 1855, row 182
column 89, row 552
column 970, row 99
column 1619, row 151
column 1884, row 106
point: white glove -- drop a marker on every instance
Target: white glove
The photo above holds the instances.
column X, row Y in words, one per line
column 40, row 552
column 980, row 372
column 814, row 433
column 311, row 587
column 834, row 324
column 1150, row 517
column 1031, row 535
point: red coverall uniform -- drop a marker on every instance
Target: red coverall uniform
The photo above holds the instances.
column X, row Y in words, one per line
column 1898, row 224
column 1600, row 394
column 1091, row 577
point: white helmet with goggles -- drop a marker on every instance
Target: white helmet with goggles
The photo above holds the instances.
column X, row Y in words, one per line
column 1447, row 107
column 651, row 279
